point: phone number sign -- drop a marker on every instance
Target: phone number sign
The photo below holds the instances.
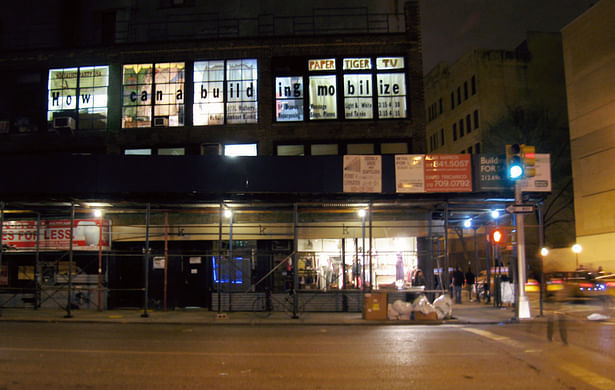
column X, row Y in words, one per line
column 448, row 173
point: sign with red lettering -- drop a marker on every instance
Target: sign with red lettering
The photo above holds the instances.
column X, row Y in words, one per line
column 55, row 234
column 448, row 173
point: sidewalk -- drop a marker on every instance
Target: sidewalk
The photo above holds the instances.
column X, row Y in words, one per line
column 467, row 313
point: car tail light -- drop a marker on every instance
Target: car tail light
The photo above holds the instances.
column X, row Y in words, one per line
column 586, row 285
column 610, row 284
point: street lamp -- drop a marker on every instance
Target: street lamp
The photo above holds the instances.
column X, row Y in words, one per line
column 495, row 214
column 544, row 252
column 577, row 248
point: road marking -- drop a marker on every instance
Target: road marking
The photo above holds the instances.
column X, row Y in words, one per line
column 588, row 376
column 581, row 373
column 495, row 337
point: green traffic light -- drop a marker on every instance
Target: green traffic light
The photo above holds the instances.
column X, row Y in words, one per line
column 515, row 169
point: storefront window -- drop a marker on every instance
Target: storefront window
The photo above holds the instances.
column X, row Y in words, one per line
column 326, row 264
column 79, row 93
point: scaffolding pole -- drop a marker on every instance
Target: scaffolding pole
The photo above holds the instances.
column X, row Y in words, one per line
column 295, row 263
column 2, row 246
column 146, row 262
column 37, row 270
column 69, row 301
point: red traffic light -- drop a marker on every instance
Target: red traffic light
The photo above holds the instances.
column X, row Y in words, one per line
column 496, row 236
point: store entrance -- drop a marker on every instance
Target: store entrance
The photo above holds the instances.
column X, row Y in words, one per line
column 197, row 282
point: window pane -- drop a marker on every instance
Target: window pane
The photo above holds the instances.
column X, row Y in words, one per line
column 360, row 149
column 358, row 96
column 289, row 99
column 291, row 150
column 240, row 150
column 138, row 152
column 323, row 97
column 394, row 148
column 324, row 150
column 171, row 151
column 169, row 92
column 241, row 91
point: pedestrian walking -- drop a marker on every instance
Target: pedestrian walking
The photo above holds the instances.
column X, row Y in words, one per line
column 555, row 314
column 458, row 280
column 470, row 278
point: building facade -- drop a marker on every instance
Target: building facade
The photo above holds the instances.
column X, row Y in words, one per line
column 178, row 79
column 589, row 59
column 489, row 98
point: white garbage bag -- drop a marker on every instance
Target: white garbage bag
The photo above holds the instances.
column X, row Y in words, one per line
column 508, row 293
column 392, row 314
column 444, row 306
column 402, row 307
column 422, row 304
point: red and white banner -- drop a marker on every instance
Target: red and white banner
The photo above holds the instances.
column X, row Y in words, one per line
column 55, row 234
column 433, row 173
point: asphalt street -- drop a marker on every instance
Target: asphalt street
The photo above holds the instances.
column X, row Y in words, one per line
column 464, row 356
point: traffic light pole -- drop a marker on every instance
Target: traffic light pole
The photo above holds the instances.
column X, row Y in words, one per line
column 523, row 306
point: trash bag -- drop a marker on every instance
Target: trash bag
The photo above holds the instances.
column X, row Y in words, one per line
column 422, row 304
column 402, row 307
column 392, row 314
column 508, row 293
column 444, row 306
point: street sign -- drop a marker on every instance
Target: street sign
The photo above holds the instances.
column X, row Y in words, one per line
column 520, row 208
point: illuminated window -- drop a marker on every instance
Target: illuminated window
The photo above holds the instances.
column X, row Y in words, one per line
column 241, row 93
column 240, row 150
column 323, row 89
column 153, row 90
column 138, row 152
column 358, row 101
column 225, row 87
column 289, row 98
column 208, row 108
column 391, row 87
column 80, row 93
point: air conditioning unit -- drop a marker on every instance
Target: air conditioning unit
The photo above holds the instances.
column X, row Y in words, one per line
column 211, row 149
column 161, row 121
column 64, row 124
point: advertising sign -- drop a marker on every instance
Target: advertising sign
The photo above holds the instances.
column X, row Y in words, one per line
column 410, row 173
column 55, row 234
column 542, row 181
column 448, row 173
column 362, row 173
column 491, row 173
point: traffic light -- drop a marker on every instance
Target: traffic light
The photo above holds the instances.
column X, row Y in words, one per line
column 496, row 236
column 528, row 158
column 514, row 164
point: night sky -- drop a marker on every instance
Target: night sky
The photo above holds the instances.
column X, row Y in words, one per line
column 452, row 27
